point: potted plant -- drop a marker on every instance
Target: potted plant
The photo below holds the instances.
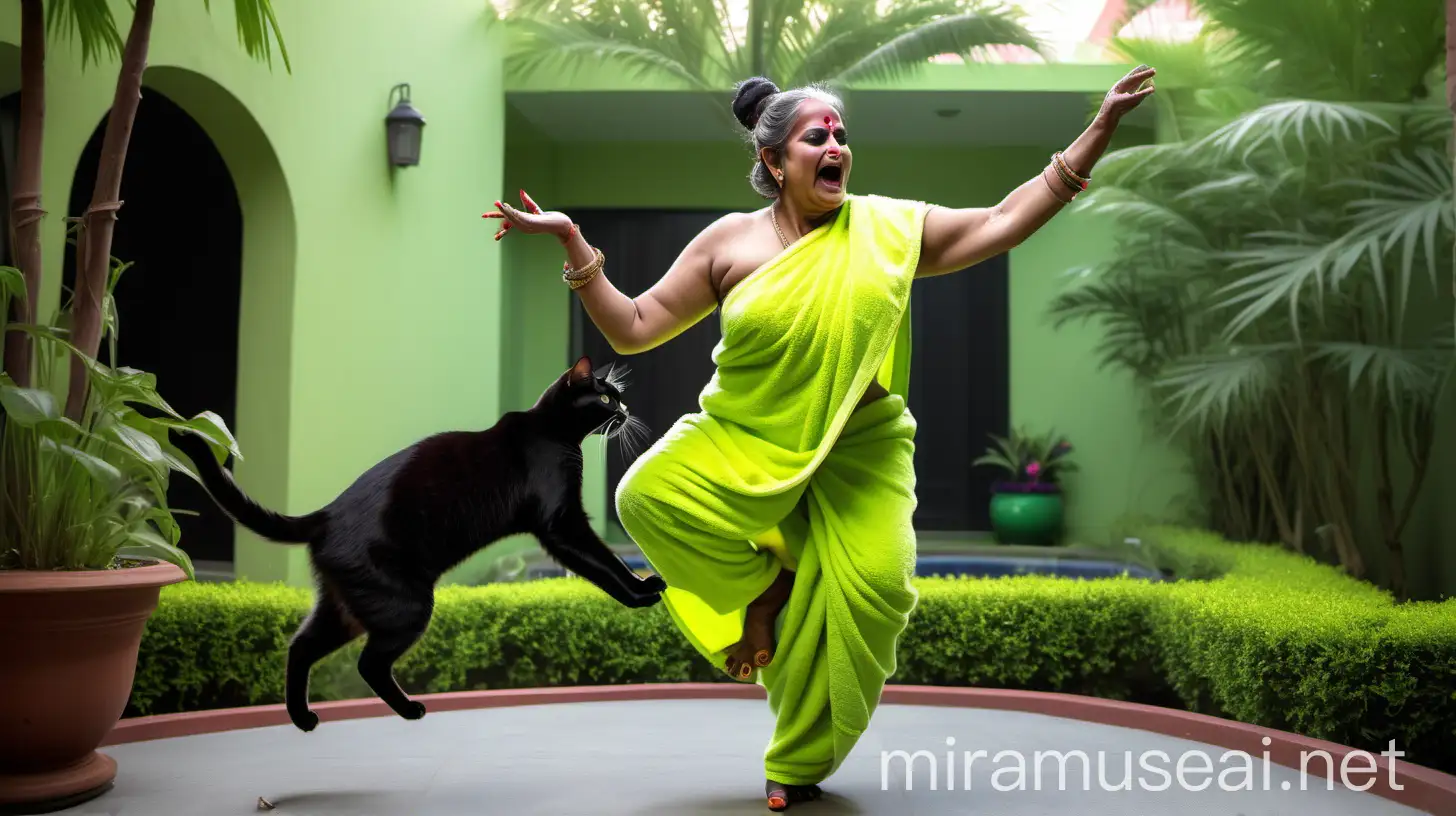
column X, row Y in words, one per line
column 87, row 541
column 86, row 537
column 1027, row 506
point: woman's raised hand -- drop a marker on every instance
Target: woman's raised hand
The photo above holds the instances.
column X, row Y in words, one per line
column 1128, row 93
column 532, row 220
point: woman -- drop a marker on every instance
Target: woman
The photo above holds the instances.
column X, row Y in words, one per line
column 780, row 514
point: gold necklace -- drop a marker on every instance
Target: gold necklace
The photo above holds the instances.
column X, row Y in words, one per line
column 773, row 214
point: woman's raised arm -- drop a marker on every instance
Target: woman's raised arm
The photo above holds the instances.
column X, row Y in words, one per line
column 683, row 296
column 958, row 238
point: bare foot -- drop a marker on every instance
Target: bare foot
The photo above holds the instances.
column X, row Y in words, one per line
column 780, row 796
column 756, row 650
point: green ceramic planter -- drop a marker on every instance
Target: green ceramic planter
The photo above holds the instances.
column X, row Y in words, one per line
column 1020, row 517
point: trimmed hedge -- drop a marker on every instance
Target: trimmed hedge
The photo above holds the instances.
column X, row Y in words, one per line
column 1251, row 632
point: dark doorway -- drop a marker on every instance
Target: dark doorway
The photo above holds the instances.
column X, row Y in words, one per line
column 9, row 133
column 960, row 379
column 181, row 228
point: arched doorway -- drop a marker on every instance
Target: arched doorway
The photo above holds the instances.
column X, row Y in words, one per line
column 9, row 130
column 181, row 228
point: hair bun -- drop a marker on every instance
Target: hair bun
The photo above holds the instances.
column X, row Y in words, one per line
column 748, row 102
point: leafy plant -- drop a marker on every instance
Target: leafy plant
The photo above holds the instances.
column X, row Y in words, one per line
column 91, row 23
column 86, row 494
column 1030, row 459
column 795, row 42
column 84, row 486
column 1276, row 269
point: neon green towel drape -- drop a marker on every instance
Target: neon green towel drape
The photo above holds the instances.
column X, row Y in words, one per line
column 778, row 469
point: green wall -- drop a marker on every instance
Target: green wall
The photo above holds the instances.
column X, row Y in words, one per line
column 371, row 303
column 1054, row 379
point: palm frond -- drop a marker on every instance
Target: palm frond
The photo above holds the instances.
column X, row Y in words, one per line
column 1273, row 124
column 1138, row 164
column 961, row 34
column 1238, row 185
column 1210, row 389
column 1141, row 212
column 257, row 28
column 1146, row 317
column 88, row 21
column 1343, row 49
column 546, row 45
column 1287, row 264
column 1401, row 373
column 92, row 24
column 1416, row 208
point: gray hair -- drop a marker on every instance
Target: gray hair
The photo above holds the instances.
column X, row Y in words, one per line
column 768, row 115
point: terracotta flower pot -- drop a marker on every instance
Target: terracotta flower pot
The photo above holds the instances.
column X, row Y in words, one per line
column 68, row 651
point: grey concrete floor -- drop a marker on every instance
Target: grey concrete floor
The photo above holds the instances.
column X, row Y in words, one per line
column 695, row 757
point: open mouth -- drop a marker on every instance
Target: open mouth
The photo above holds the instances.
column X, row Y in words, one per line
column 831, row 176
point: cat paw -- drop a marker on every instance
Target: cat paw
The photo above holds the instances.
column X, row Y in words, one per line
column 643, row 600
column 653, row 584
column 304, row 720
column 413, row 710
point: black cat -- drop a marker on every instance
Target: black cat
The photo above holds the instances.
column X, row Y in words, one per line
column 379, row 548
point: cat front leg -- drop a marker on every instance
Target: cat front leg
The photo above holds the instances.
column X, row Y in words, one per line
column 575, row 545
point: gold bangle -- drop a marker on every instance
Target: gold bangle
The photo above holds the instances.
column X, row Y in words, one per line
column 1077, row 181
column 1061, row 158
column 1062, row 174
column 1071, row 194
column 577, row 283
column 567, row 273
column 581, row 277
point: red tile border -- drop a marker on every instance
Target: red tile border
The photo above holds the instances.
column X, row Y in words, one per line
column 1414, row 785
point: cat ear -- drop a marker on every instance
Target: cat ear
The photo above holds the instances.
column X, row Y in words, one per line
column 581, row 371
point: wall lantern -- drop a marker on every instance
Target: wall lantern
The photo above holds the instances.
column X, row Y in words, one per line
column 403, row 127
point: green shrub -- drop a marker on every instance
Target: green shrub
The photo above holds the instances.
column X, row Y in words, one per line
column 1282, row 641
column 214, row 645
column 1033, row 632
column 1251, row 632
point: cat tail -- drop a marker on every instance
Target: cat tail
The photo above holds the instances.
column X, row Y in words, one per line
column 239, row 505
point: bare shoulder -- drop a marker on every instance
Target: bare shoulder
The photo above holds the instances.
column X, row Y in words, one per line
column 740, row 242
column 727, row 229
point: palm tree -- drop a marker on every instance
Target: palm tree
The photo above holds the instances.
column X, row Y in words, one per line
column 1275, row 258
column 795, row 42
column 91, row 23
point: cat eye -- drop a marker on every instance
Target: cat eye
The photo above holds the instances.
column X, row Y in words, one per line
column 606, row 398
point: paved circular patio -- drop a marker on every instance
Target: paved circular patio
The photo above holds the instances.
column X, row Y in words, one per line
column 703, row 756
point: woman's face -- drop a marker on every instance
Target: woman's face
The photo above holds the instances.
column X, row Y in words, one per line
column 816, row 160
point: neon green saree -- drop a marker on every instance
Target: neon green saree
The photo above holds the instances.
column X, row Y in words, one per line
column 779, row 469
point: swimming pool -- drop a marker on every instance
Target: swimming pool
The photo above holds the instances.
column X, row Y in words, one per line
column 994, row 566
column 977, row 564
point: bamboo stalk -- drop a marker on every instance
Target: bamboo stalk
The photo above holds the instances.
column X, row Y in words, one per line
column 25, row 199
column 99, row 222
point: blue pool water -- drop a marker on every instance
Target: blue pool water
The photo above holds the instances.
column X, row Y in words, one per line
column 993, row 566
column 971, row 565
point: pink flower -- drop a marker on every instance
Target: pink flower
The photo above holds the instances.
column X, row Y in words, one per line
column 1033, row 469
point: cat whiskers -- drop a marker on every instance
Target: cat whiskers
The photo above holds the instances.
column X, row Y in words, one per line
column 616, row 375
column 630, row 432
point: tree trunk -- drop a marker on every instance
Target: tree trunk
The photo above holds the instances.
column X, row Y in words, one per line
column 1451, row 88
column 1385, row 507
column 98, row 224
column 25, row 209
